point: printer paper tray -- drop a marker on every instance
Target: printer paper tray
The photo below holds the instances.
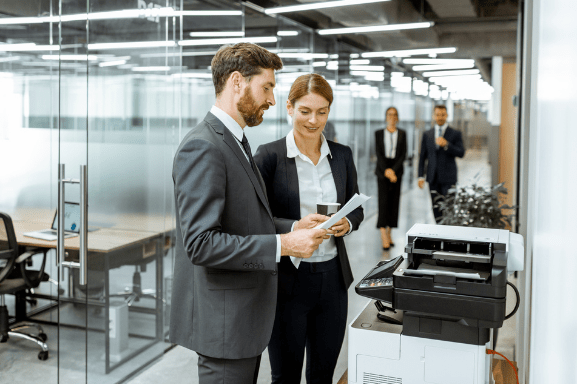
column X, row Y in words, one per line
column 434, row 270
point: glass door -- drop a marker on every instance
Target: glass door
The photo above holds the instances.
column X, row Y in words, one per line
column 116, row 130
column 76, row 307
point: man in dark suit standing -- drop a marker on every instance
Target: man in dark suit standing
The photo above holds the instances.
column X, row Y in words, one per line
column 439, row 147
column 227, row 247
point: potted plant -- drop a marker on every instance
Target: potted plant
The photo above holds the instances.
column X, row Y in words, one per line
column 475, row 206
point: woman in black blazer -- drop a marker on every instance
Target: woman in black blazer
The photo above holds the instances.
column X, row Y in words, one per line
column 300, row 170
column 391, row 147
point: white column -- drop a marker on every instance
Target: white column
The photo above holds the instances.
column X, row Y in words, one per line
column 496, row 83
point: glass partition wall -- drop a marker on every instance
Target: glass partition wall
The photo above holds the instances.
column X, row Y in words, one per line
column 98, row 94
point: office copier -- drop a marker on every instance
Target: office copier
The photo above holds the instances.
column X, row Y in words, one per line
column 435, row 308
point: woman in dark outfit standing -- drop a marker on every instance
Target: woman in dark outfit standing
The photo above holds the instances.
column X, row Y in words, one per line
column 299, row 171
column 391, row 147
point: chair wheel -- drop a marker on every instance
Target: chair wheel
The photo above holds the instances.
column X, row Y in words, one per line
column 43, row 336
column 43, row 355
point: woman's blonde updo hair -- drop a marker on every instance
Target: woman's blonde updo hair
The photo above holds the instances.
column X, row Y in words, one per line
column 311, row 83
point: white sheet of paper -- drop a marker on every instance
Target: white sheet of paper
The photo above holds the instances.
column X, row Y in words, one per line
column 350, row 206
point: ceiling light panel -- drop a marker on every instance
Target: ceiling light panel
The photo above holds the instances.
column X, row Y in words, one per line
column 217, row 34
column 261, row 40
column 437, row 61
column 438, row 67
column 70, row 57
column 451, row 73
column 135, row 44
column 375, row 28
column 360, row 62
column 287, row 33
column 112, row 15
column 409, row 52
column 27, row 47
column 112, row 63
column 319, row 5
column 379, row 68
column 151, row 69
column 304, row 56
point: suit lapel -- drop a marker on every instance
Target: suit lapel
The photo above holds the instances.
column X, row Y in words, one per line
column 233, row 144
column 292, row 185
column 448, row 134
column 334, row 162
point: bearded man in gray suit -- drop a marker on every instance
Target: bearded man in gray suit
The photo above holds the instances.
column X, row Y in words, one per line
column 227, row 241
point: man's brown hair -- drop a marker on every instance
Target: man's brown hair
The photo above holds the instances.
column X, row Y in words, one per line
column 311, row 83
column 440, row 106
column 248, row 59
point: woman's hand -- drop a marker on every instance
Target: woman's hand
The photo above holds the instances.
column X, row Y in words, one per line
column 340, row 228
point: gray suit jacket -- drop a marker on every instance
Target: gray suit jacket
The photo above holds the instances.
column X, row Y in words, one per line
column 225, row 271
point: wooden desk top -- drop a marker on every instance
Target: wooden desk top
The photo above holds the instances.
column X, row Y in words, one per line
column 128, row 222
column 115, row 232
column 103, row 240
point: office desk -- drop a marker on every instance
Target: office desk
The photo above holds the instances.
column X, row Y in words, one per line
column 108, row 248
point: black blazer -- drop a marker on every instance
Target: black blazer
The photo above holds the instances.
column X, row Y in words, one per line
column 400, row 154
column 440, row 160
column 281, row 179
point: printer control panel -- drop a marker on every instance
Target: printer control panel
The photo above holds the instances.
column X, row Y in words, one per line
column 378, row 283
column 368, row 283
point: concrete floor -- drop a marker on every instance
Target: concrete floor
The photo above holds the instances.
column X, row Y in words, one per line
column 365, row 250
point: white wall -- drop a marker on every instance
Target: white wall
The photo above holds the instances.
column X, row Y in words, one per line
column 552, row 185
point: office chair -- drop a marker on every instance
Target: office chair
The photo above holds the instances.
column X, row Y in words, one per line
column 14, row 278
column 135, row 292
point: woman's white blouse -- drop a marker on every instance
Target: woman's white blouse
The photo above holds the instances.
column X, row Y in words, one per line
column 316, row 185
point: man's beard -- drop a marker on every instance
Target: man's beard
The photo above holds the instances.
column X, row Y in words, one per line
column 248, row 109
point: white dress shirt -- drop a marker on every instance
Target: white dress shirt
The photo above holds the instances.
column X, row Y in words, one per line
column 238, row 133
column 441, row 133
column 316, row 185
column 391, row 143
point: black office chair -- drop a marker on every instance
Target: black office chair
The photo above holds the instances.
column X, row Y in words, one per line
column 14, row 278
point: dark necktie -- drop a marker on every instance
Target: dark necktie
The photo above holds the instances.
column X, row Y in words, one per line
column 246, row 147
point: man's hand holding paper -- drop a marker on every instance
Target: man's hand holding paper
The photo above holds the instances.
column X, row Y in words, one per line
column 311, row 221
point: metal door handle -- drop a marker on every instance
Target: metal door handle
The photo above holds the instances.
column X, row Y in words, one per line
column 62, row 181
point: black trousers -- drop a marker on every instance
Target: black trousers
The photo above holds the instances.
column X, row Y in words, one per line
column 389, row 199
column 437, row 189
column 312, row 316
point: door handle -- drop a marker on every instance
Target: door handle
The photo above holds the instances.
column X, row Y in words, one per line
column 62, row 181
